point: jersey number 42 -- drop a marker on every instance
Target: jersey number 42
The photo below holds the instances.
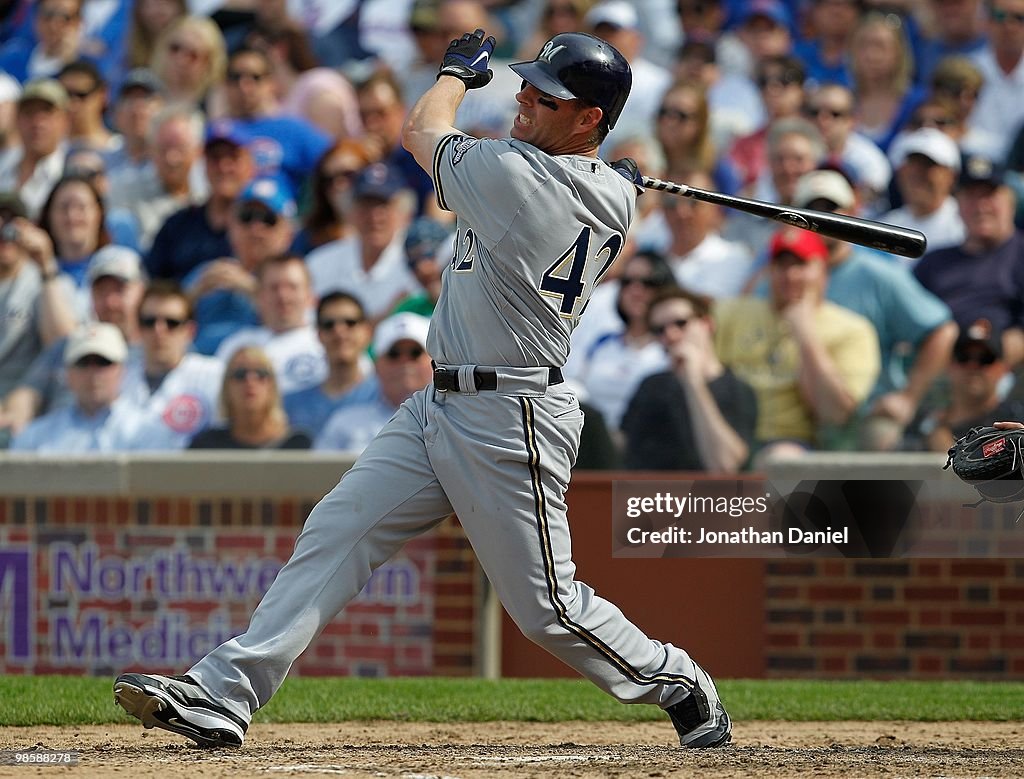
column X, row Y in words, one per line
column 565, row 278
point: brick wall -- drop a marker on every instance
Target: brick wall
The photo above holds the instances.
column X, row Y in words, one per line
column 114, row 581
column 886, row 618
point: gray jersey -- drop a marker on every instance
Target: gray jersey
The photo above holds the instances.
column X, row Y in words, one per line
column 511, row 297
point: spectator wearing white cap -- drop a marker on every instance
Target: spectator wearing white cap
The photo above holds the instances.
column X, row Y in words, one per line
column 116, row 283
column 915, row 329
column 927, row 162
column 98, row 420
column 35, row 310
column 403, row 367
column 618, row 23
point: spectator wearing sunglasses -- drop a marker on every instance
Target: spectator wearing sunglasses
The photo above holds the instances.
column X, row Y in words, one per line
column 1000, row 111
column 57, row 39
column 198, row 233
column 345, row 333
column 175, row 388
column 403, row 367
column 977, row 377
column 98, row 419
column 260, row 226
column 285, row 302
column 830, row 108
column 780, row 80
column 87, row 102
column 697, row 415
column 615, row 363
column 250, row 402
column 282, row 145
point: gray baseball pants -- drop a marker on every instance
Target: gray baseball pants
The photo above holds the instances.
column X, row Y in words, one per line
column 500, row 460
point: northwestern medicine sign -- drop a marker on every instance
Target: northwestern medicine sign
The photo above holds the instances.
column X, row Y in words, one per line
column 90, row 606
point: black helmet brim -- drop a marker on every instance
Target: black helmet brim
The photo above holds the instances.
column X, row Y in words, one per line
column 549, row 85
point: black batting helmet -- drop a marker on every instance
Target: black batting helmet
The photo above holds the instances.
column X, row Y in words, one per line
column 575, row 65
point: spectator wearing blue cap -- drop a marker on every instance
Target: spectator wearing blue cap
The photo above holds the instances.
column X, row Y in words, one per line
column 280, row 145
column 371, row 262
column 428, row 246
column 198, row 233
column 261, row 225
column 138, row 98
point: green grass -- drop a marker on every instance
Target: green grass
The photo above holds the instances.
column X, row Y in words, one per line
column 64, row 700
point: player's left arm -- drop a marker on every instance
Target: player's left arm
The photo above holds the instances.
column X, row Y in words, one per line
column 464, row 67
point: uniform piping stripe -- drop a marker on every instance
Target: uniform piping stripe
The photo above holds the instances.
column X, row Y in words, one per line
column 441, row 146
column 540, row 507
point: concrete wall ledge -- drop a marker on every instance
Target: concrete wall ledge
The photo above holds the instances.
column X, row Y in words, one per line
column 178, row 474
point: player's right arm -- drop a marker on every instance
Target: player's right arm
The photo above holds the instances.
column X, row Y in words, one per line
column 464, row 67
column 431, row 119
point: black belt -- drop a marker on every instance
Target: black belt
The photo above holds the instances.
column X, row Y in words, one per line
column 447, row 379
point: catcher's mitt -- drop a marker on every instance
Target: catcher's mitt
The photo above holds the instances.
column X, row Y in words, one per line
column 992, row 461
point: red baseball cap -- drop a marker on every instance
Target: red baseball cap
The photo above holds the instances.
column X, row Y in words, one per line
column 802, row 244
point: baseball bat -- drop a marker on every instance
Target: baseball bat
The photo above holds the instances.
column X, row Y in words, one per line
column 877, row 235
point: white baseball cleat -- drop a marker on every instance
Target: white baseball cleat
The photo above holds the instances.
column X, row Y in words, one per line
column 178, row 704
column 700, row 718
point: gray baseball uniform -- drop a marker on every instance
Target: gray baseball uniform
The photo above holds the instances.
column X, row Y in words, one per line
column 535, row 234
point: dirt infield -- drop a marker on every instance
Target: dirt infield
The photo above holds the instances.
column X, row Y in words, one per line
column 514, row 750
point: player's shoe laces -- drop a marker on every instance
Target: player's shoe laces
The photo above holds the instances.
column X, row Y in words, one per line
column 178, row 704
column 700, row 718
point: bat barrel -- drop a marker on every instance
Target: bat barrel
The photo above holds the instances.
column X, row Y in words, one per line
column 866, row 232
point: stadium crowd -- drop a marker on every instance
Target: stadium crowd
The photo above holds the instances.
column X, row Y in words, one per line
column 211, row 237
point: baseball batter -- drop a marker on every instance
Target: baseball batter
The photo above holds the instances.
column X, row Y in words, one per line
column 493, row 438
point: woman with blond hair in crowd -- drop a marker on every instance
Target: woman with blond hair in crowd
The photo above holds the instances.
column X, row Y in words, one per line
column 683, row 128
column 190, row 58
column 251, row 406
column 882, row 66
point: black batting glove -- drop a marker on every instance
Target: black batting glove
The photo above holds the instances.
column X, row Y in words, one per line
column 467, row 59
column 629, row 170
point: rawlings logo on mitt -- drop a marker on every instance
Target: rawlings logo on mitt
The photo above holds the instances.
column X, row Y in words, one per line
column 991, row 461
